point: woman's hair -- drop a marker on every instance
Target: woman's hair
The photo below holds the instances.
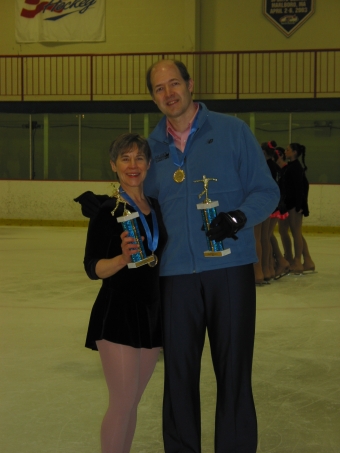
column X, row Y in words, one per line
column 125, row 143
column 300, row 151
column 279, row 152
column 181, row 67
column 269, row 147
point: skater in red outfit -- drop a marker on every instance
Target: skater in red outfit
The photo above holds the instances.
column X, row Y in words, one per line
column 265, row 267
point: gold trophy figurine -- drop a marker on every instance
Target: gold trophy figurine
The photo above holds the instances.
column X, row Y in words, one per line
column 205, row 181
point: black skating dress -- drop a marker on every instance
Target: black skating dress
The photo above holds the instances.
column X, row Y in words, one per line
column 127, row 309
column 295, row 187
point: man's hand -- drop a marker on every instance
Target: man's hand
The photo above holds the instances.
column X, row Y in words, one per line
column 226, row 225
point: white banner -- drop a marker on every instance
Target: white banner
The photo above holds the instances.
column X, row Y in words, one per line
column 60, row 21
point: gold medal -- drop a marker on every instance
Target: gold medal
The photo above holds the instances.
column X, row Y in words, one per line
column 154, row 262
column 179, row 175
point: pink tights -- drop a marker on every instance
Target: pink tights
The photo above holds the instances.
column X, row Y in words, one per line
column 127, row 371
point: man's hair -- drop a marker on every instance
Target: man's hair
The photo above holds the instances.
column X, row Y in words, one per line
column 125, row 142
column 181, row 67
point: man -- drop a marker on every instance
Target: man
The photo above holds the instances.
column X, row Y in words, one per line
column 201, row 293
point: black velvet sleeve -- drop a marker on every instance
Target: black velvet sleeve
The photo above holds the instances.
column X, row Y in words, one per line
column 103, row 238
column 90, row 203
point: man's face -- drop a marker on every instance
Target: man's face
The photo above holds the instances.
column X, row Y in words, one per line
column 171, row 93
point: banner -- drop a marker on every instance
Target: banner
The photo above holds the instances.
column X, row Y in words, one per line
column 60, row 21
column 288, row 16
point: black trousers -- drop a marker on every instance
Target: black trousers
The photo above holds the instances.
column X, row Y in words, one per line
column 224, row 303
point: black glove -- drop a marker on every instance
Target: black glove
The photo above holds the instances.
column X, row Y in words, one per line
column 226, row 225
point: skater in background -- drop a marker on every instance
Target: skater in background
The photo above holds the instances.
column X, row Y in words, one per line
column 279, row 217
column 265, row 267
column 296, row 186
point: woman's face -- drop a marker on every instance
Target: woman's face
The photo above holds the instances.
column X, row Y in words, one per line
column 290, row 154
column 131, row 167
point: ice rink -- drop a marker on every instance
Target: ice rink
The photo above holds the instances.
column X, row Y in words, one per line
column 53, row 394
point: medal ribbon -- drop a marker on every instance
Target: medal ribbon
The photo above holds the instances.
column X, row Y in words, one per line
column 152, row 241
column 173, row 150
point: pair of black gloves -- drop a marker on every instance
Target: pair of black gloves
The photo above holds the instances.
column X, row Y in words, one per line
column 226, row 225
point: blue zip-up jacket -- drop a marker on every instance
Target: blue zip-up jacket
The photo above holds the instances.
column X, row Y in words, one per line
column 223, row 147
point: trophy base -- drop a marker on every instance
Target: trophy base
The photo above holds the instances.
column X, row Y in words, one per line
column 210, row 205
column 142, row 262
column 212, row 254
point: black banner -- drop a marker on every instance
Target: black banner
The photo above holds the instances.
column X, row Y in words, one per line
column 288, row 16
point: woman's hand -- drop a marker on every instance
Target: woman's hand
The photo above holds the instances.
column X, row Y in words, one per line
column 109, row 266
column 129, row 246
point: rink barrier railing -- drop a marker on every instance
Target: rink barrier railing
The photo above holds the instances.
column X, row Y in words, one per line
column 217, row 75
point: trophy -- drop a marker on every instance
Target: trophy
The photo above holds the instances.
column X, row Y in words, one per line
column 129, row 224
column 208, row 211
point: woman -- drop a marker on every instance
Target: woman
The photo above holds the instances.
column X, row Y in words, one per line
column 296, row 199
column 125, row 323
column 280, row 214
column 264, row 268
column 268, row 225
column 280, row 159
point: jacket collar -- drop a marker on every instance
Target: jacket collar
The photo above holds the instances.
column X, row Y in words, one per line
column 159, row 133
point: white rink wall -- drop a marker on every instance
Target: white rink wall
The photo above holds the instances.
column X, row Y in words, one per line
column 46, row 200
column 324, row 205
column 53, row 201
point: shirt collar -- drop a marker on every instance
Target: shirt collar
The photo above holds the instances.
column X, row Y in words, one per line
column 176, row 134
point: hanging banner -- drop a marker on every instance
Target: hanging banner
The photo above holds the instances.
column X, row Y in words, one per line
column 288, row 16
column 60, row 21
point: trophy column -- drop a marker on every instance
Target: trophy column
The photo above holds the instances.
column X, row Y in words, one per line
column 208, row 211
column 129, row 224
